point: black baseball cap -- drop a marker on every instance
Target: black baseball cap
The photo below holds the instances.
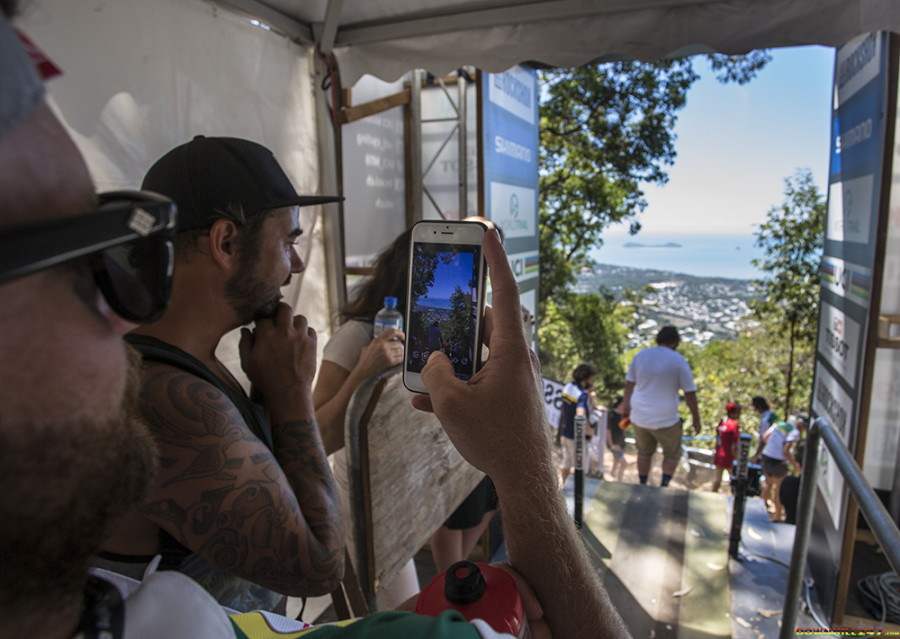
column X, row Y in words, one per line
column 206, row 175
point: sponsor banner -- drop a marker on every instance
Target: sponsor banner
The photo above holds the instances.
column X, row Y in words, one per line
column 840, row 340
column 514, row 209
column 831, row 402
column 512, row 152
column 510, row 144
column 850, row 210
column 849, row 281
column 857, row 133
column 515, row 91
column 857, row 63
column 524, row 265
column 552, row 400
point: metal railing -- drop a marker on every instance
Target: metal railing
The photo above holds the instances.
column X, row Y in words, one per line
column 880, row 522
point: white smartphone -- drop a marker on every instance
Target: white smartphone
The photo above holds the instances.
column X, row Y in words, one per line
column 445, row 298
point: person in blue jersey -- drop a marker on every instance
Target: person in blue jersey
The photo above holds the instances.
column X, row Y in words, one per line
column 576, row 402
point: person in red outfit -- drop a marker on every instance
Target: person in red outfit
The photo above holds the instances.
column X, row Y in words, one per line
column 727, row 436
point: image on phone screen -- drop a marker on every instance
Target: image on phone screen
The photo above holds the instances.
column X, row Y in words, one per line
column 443, row 305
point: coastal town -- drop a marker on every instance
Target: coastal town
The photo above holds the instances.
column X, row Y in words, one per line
column 703, row 308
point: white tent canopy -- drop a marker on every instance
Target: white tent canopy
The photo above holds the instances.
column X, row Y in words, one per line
column 141, row 77
column 388, row 37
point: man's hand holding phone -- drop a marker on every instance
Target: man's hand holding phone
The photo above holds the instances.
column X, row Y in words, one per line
column 485, row 417
column 445, row 298
column 497, row 422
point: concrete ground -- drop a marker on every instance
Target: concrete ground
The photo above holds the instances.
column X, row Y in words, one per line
column 663, row 556
column 681, row 538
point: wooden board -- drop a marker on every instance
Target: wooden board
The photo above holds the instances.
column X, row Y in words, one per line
column 416, row 479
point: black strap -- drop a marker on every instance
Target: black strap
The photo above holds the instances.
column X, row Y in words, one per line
column 155, row 350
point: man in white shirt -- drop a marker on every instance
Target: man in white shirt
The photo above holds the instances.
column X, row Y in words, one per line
column 651, row 401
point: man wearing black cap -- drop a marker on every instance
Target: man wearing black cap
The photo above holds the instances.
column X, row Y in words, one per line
column 245, row 501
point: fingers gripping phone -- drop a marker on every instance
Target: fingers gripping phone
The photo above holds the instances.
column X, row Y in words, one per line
column 445, row 303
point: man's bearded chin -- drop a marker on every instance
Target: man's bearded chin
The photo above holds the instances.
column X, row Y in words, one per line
column 267, row 310
column 62, row 487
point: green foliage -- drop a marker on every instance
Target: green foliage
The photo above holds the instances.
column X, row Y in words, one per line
column 456, row 328
column 737, row 370
column 584, row 328
column 424, row 264
column 792, row 238
column 739, row 68
column 604, row 130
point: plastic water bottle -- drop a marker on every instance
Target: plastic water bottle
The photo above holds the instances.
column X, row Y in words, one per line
column 477, row 591
column 388, row 317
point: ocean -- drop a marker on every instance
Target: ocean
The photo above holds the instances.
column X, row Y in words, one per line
column 434, row 302
column 702, row 255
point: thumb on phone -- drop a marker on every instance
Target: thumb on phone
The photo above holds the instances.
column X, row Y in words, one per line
column 439, row 378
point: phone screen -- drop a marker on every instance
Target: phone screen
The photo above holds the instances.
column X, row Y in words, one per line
column 443, row 305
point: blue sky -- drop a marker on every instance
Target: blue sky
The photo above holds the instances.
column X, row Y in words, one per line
column 448, row 276
column 737, row 144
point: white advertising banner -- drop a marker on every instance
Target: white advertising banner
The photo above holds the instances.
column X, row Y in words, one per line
column 849, row 281
column 839, row 341
column 832, row 402
column 858, row 62
column 850, row 210
column 513, row 209
column 552, row 400
column 514, row 91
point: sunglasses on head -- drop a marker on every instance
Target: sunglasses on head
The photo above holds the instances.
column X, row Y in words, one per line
column 126, row 240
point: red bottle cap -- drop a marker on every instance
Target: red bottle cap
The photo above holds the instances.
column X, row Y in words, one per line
column 477, row 591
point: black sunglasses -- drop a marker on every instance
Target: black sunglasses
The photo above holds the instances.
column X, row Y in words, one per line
column 127, row 241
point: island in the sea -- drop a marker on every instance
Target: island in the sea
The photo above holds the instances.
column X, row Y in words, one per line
column 640, row 245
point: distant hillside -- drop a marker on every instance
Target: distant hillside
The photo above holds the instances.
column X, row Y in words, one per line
column 704, row 308
column 663, row 245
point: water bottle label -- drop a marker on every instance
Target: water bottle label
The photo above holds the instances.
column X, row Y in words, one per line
column 381, row 327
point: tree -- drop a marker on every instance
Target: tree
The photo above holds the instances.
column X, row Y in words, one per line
column 458, row 326
column 792, row 238
column 584, row 328
column 605, row 130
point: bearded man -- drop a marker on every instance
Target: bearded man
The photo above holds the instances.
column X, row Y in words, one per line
column 245, row 502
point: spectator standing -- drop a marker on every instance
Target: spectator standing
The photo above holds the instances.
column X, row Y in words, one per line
column 615, row 439
column 727, row 435
column 576, row 402
column 596, row 444
column 777, row 459
column 789, row 492
column 651, row 398
column 767, row 417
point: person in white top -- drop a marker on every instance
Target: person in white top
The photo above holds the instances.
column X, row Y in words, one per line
column 767, row 416
column 651, row 399
column 777, row 459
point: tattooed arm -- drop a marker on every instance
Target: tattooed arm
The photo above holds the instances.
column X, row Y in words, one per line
column 270, row 519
